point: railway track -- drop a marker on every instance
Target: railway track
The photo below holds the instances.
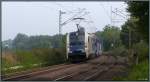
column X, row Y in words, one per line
column 68, row 72
column 87, row 74
column 23, row 76
column 94, row 75
column 54, row 74
column 29, row 71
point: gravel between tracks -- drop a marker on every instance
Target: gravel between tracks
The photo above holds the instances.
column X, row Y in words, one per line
column 82, row 71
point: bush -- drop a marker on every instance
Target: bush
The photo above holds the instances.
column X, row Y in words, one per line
column 39, row 57
column 26, row 58
column 6, row 63
column 50, row 56
column 119, row 51
column 45, row 55
column 8, row 60
column 142, row 50
column 55, row 56
column 139, row 72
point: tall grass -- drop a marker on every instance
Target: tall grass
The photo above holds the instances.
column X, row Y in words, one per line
column 142, row 50
column 140, row 70
column 136, row 72
column 27, row 59
column 119, row 51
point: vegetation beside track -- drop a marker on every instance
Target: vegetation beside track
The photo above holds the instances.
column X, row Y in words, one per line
column 136, row 72
column 22, row 60
column 130, row 41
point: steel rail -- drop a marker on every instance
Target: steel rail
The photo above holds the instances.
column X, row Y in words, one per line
column 37, row 72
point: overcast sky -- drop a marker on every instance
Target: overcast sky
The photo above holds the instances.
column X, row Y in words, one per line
column 42, row 18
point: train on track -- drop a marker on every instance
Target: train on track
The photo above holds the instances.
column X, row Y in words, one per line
column 82, row 45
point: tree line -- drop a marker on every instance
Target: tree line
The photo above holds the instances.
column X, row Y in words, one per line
column 24, row 42
column 131, row 40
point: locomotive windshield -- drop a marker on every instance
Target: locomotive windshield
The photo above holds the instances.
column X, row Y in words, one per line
column 76, row 41
column 76, row 38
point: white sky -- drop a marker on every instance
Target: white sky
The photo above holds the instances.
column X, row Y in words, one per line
column 41, row 18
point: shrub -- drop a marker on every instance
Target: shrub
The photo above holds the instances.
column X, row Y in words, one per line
column 8, row 60
column 26, row 58
column 50, row 55
column 139, row 72
column 39, row 57
column 142, row 50
column 119, row 51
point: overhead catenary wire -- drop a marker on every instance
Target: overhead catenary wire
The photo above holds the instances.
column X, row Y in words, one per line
column 89, row 22
column 118, row 14
column 73, row 17
column 77, row 13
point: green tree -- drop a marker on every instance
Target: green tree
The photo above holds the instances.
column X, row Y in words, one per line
column 110, row 36
column 124, row 35
column 140, row 11
column 19, row 41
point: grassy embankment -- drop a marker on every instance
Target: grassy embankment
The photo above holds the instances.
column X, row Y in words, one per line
column 139, row 71
column 21, row 60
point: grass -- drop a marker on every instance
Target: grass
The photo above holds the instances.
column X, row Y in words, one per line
column 137, row 72
column 26, row 59
column 24, row 68
column 140, row 71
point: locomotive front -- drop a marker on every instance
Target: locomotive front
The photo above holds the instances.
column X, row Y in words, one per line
column 76, row 46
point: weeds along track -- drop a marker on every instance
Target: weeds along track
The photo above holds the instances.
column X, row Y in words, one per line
column 82, row 71
column 37, row 72
column 86, row 74
column 29, row 71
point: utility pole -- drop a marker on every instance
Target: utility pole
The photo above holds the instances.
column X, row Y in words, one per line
column 60, row 27
column 129, row 38
column 132, row 53
column 129, row 42
column 60, row 24
column 111, row 15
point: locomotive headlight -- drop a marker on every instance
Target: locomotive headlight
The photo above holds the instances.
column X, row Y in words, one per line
column 70, row 51
column 82, row 50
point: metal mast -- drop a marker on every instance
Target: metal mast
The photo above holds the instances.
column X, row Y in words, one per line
column 59, row 22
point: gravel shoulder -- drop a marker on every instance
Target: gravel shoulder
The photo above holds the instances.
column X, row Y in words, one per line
column 80, row 71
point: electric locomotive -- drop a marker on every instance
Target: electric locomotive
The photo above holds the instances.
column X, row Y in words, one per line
column 82, row 45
